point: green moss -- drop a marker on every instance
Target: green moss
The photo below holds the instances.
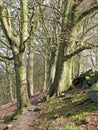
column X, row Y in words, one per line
column 95, row 87
column 79, row 97
column 79, row 116
column 72, row 126
column 87, row 77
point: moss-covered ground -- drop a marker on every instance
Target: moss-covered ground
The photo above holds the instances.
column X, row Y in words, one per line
column 72, row 111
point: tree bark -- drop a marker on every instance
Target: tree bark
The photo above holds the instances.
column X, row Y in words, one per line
column 63, row 74
column 96, row 59
column 21, row 82
column 18, row 49
column 50, row 68
column 30, row 71
column 58, row 72
column 46, row 74
column 76, row 66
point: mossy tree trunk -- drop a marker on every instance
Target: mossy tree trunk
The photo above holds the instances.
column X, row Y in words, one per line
column 51, row 46
column 76, row 66
column 96, row 58
column 46, row 74
column 67, row 45
column 67, row 76
column 30, row 71
column 63, row 71
column 21, row 82
column 50, row 68
column 59, row 68
column 18, row 48
column 10, row 81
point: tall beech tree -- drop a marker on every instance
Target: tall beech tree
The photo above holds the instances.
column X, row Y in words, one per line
column 17, row 44
column 72, row 14
column 33, row 30
column 48, row 40
column 61, row 30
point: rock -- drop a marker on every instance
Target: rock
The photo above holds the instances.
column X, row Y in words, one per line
column 86, row 80
column 94, row 96
column 36, row 110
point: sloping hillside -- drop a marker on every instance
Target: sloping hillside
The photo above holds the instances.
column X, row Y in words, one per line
column 73, row 110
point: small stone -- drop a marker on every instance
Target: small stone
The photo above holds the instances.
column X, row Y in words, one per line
column 36, row 110
column 30, row 110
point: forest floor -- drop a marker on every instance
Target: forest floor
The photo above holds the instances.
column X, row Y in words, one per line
column 72, row 111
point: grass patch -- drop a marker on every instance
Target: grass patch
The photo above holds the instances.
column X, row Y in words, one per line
column 72, row 126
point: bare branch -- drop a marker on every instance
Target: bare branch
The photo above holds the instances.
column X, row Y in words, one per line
column 77, row 51
column 7, row 30
column 86, row 13
column 5, row 43
column 5, row 57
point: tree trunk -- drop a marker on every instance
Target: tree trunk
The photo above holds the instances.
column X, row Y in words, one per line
column 63, row 73
column 50, row 68
column 46, row 75
column 58, row 72
column 17, row 44
column 11, row 88
column 76, row 66
column 96, row 59
column 9, row 81
column 67, row 76
column 21, row 82
column 30, row 72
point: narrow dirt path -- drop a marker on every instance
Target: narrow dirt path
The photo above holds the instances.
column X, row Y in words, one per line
column 24, row 120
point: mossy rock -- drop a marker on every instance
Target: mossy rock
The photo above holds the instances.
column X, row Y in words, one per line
column 94, row 96
column 94, row 87
column 86, row 80
column 93, row 93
